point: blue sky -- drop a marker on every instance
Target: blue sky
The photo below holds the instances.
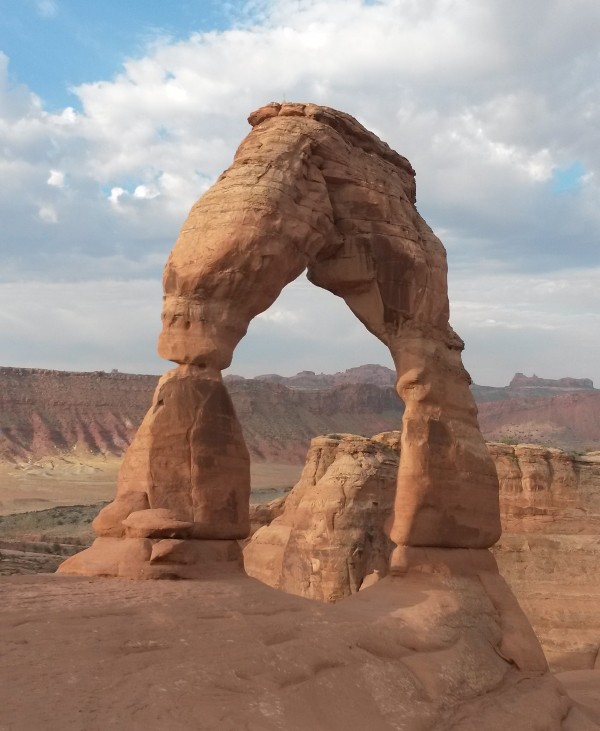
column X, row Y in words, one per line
column 55, row 45
column 116, row 117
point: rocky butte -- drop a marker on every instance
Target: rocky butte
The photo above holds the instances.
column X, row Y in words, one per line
column 326, row 540
column 441, row 642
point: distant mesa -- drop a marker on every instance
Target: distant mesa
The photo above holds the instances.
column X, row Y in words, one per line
column 568, row 384
column 377, row 375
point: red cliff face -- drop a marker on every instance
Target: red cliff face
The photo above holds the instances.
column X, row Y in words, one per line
column 44, row 412
column 570, row 420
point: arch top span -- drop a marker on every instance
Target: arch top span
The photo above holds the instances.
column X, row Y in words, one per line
column 309, row 189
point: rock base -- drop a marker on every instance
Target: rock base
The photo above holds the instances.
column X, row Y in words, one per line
column 148, row 558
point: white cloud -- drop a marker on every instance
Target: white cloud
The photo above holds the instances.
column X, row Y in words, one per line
column 146, row 191
column 115, row 194
column 48, row 214
column 56, row 178
column 485, row 99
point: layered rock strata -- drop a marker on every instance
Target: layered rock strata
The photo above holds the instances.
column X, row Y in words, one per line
column 550, row 550
column 544, row 490
column 312, row 189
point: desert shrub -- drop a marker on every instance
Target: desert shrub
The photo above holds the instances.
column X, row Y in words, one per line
column 56, row 548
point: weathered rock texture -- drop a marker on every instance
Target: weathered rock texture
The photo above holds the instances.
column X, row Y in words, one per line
column 567, row 421
column 547, row 490
column 44, row 412
column 47, row 413
column 440, row 643
column 549, row 552
column 330, row 532
column 443, row 647
column 312, row 189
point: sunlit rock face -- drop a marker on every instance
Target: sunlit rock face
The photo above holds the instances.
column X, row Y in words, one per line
column 330, row 533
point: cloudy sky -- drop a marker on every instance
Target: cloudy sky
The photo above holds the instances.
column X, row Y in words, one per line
column 116, row 116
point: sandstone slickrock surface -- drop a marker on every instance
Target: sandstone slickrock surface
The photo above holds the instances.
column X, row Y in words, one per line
column 443, row 647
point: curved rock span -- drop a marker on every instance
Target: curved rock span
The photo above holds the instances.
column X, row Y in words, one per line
column 311, row 189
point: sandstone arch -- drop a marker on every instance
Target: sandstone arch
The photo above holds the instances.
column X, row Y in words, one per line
column 309, row 188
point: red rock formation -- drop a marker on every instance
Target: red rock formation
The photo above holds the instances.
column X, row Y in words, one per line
column 310, row 187
column 329, row 535
column 520, row 380
column 373, row 374
column 547, row 490
column 569, row 420
column 44, row 412
column 328, row 540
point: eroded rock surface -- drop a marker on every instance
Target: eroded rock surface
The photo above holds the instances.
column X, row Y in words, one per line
column 309, row 189
column 550, row 549
column 549, row 552
column 442, row 642
column 329, row 535
column 443, row 647
column 547, row 490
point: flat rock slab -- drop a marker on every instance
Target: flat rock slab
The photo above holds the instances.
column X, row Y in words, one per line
column 88, row 654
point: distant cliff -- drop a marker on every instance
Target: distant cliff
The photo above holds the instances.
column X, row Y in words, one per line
column 44, row 412
column 376, row 375
column 523, row 386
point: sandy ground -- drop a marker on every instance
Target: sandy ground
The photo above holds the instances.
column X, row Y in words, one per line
column 72, row 481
